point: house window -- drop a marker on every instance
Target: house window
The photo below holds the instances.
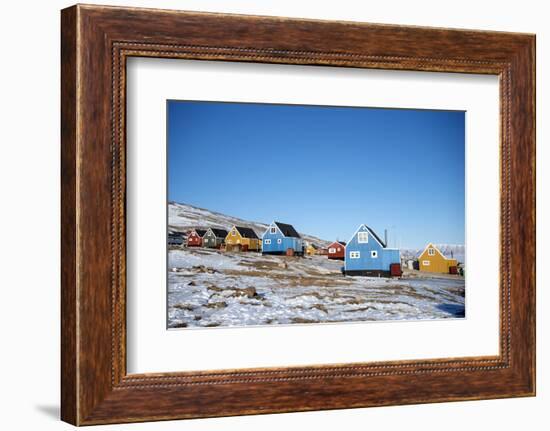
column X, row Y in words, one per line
column 431, row 252
column 332, row 250
column 363, row 237
column 267, row 241
column 273, row 229
column 279, row 240
column 233, row 232
column 374, row 254
column 426, row 262
column 354, row 254
column 338, row 249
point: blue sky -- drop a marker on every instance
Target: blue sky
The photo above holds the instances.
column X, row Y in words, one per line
column 325, row 170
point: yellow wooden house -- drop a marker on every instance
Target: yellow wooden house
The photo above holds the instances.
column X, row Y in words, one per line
column 311, row 249
column 432, row 260
column 242, row 239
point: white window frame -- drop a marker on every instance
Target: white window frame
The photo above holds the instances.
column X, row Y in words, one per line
column 267, row 241
column 273, row 229
column 233, row 232
column 374, row 254
column 279, row 241
column 332, row 250
column 431, row 252
column 338, row 249
column 363, row 237
column 426, row 262
column 354, row 254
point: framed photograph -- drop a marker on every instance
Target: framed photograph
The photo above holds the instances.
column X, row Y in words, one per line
column 266, row 215
column 321, row 166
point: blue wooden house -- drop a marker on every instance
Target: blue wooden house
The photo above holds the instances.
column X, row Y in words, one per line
column 366, row 254
column 282, row 238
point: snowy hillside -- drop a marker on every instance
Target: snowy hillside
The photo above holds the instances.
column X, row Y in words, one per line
column 182, row 217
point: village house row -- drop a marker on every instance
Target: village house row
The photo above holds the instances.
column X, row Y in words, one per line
column 364, row 254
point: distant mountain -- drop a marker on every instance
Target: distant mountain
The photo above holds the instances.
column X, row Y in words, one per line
column 183, row 217
column 456, row 251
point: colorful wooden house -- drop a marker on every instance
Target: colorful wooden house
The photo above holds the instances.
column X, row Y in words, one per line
column 194, row 238
column 323, row 251
column 214, row 238
column 337, row 250
column 311, row 249
column 242, row 239
column 280, row 238
column 432, row 260
column 366, row 254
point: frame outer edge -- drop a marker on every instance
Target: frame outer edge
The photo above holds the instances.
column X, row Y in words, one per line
column 533, row 54
column 529, row 61
column 532, row 83
column 523, row 217
column 69, row 195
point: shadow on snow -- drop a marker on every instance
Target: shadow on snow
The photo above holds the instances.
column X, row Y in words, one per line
column 457, row 310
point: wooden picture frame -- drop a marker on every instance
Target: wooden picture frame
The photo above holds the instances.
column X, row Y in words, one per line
column 95, row 43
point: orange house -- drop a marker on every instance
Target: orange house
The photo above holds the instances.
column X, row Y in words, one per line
column 432, row 260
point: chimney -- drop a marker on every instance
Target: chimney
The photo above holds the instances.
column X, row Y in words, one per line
column 386, row 237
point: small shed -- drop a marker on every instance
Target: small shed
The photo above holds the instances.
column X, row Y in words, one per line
column 279, row 238
column 242, row 238
column 194, row 238
column 214, row 238
column 337, row 250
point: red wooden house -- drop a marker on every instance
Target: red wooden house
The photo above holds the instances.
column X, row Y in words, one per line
column 337, row 250
column 194, row 238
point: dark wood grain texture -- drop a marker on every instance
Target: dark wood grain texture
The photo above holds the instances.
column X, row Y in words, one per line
column 95, row 42
column 69, row 368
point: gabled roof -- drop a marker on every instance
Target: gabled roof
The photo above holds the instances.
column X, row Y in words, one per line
column 200, row 232
column 219, row 233
column 338, row 242
column 246, row 232
column 287, row 229
column 376, row 237
column 431, row 245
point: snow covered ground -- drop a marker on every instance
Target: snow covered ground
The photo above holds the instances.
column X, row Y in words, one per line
column 208, row 288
